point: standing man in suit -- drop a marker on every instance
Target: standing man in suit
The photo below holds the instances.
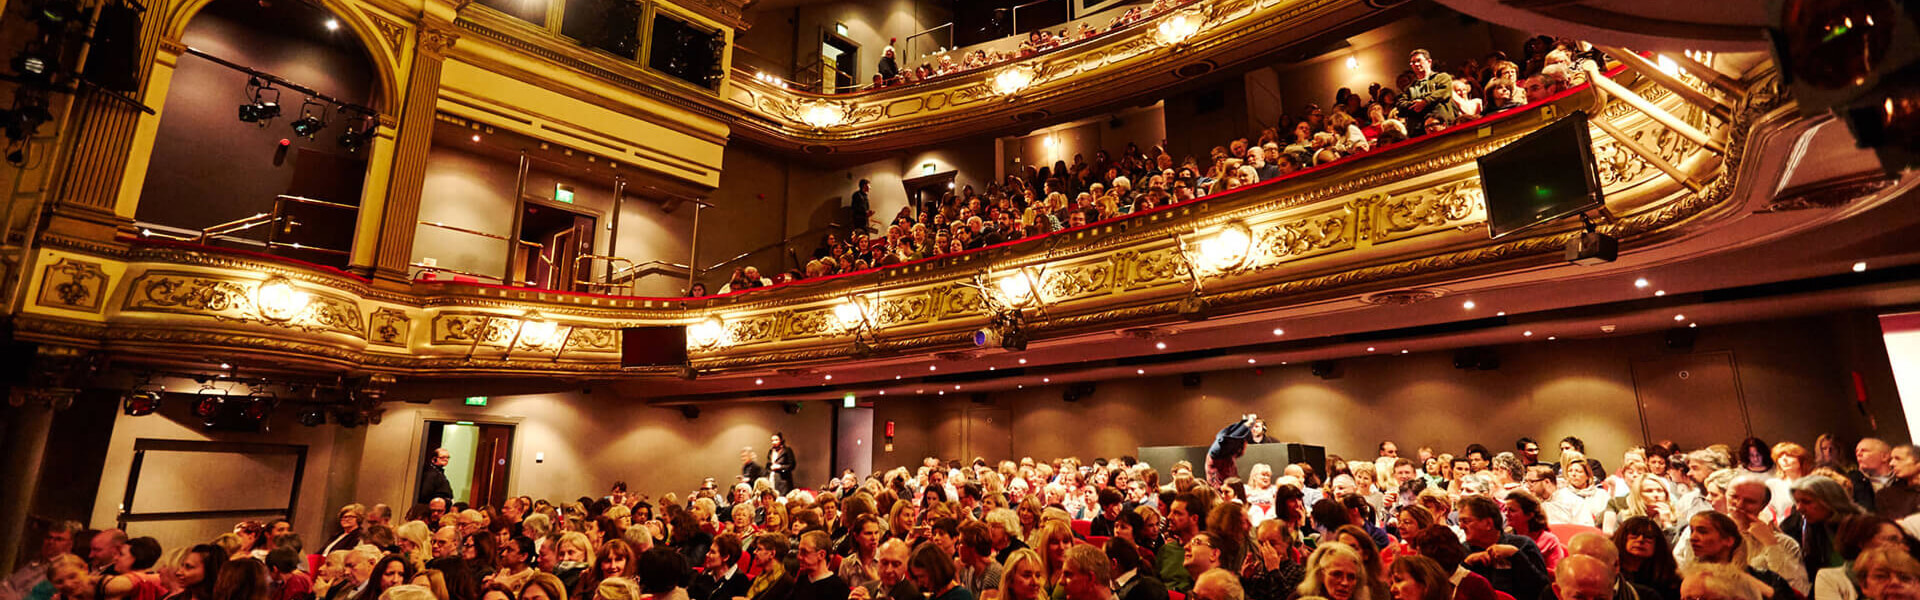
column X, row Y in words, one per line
column 780, row 464
column 862, row 210
column 433, row 480
column 750, row 471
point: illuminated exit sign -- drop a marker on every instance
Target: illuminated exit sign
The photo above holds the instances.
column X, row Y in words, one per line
column 476, row 400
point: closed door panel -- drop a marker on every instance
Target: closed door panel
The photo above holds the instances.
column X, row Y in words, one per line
column 1692, row 399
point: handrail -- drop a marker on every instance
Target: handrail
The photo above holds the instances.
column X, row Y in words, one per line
column 316, row 202
column 610, row 285
column 906, row 46
column 241, row 224
column 440, row 269
column 465, row 230
column 783, row 242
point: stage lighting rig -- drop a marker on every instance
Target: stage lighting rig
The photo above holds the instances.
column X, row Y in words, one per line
column 357, row 131
column 263, row 107
column 313, row 118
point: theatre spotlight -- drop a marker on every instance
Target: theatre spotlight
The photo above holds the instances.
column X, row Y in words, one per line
column 313, row 417
column 258, row 405
column 265, row 104
column 358, row 132
column 35, row 65
column 208, row 408
column 313, row 118
column 140, row 403
column 347, row 418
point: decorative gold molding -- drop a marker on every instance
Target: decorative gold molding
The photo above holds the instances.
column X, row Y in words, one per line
column 73, row 285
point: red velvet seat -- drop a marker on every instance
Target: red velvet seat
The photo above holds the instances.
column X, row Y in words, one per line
column 1566, row 531
column 1082, row 529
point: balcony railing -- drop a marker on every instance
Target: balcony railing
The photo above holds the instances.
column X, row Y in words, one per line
column 1410, row 212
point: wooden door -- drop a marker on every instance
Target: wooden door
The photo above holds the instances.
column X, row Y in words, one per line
column 1692, row 399
column 493, row 460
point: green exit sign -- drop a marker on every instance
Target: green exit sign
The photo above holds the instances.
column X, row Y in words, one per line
column 563, row 192
column 849, row 401
column 476, row 400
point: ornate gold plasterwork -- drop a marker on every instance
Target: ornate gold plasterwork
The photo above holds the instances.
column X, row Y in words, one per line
column 391, row 31
column 232, row 300
column 902, row 310
column 1294, row 239
column 389, row 327
column 1436, row 208
column 1149, row 268
column 465, row 329
column 73, row 285
column 1075, row 281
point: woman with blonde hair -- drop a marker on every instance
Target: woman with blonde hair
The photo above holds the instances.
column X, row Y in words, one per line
column 1023, row 577
column 413, row 538
column 1651, row 497
column 1052, row 540
column 1336, row 571
column 1580, row 493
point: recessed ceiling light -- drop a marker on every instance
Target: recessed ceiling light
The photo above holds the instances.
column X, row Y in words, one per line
column 226, row 366
column 333, row 24
column 1251, row 361
column 1159, row 345
column 1500, row 314
column 956, row 386
column 883, row 392
column 1369, row 348
column 759, row 381
column 1552, row 338
column 1641, row 282
column 993, row 368
column 933, row 367
column 1283, row 362
column 1139, row 371
column 1023, row 361
column 1468, row 305
column 1679, row 317
column 919, row 391
column 896, row 378
column 1403, row 350
column 1046, row 380
column 1527, row 333
column 943, row 392
column 1693, row 324
column 1659, row 292
column 476, row 137
column 1860, row 266
column 1279, row 331
column 1020, row 387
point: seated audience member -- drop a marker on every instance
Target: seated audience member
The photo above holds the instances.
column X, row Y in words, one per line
column 1511, row 562
column 1645, row 556
column 1417, row 577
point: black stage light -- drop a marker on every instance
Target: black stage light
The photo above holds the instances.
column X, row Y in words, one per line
column 24, row 120
column 140, row 403
column 258, row 111
column 312, row 119
column 357, row 134
column 35, row 65
column 313, row 417
column 347, row 418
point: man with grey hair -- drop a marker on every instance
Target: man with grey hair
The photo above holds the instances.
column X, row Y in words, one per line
column 1583, row 578
column 1508, row 472
column 1088, row 574
column 1601, row 549
column 1218, row 584
column 1747, row 497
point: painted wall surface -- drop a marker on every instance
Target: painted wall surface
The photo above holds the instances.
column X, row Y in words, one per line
column 1204, row 117
column 585, row 442
column 332, row 455
column 473, row 191
column 1143, row 127
column 1794, row 376
column 870, row 24
column 1903, row 351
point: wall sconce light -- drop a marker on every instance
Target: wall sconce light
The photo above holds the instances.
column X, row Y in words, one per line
column 707, row 333
column 1178, row 27
column 536, row 332
column 1018, row 288
column 1353, row 63
column 278, row 300
column 1228, row 248
column 851, row 314
column 1012, row 80
column 823, row 114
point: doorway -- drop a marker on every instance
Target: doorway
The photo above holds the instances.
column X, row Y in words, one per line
column 926, row 191
column 481, row 462
column 839, row 61
column 548, row 238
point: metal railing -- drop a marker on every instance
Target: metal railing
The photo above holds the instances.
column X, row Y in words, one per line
column 1016, row 12
column 608, row 286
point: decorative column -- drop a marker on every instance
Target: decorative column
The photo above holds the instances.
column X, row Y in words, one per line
column 401, row 215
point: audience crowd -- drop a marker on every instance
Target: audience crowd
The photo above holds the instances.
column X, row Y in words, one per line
column 1742, row 522
column 889, row 73
column 1041, row 199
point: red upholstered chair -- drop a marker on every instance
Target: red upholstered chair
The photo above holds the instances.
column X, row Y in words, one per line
column 1081, row 529
column 1499, row 595
column 1097, row 541
column 1173, row 595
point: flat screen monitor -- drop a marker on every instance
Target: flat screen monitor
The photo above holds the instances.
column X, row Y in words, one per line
column 1547, row 175
column 653, row 346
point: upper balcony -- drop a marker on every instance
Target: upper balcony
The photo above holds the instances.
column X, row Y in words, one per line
column 1184, row 42
column 1400, row 224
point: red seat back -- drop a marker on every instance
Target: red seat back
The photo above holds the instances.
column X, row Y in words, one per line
column 1082, row 528
column 1566, row 531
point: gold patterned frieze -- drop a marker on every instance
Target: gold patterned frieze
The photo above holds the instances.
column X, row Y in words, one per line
column 233, row 300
